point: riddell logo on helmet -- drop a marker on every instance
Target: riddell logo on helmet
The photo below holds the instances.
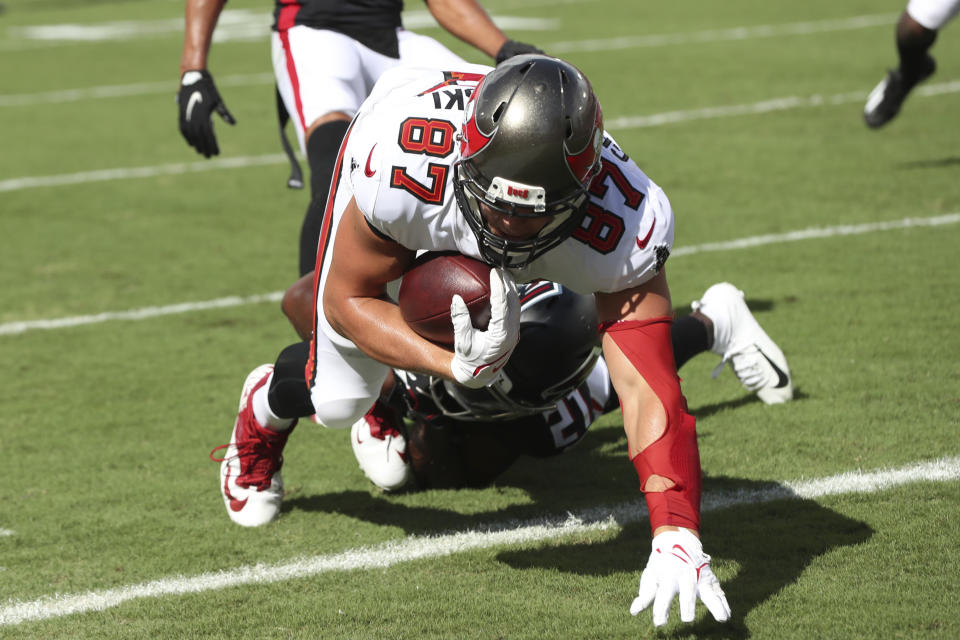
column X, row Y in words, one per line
column 519, row 193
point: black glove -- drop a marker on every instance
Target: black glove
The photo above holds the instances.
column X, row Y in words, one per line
column 198, row 98
column 512, row 48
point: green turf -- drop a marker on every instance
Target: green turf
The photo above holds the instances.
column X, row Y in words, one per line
column 105, row 429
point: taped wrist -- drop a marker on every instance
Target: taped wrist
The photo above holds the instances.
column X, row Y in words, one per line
column 647, row 345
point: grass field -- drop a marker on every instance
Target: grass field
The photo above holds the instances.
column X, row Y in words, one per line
column 138, row 287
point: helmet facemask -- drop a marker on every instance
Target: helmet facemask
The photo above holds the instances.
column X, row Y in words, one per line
column 564, row 217
column 530, row 146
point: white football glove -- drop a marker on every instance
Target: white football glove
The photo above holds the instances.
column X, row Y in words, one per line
column 479, row 355
column 678, row 565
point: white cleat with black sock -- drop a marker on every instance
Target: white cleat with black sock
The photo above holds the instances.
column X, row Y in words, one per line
column 740, row 340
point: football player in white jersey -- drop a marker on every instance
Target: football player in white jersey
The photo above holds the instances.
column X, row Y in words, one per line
column 327, row 54
column 916, row 32
column 510, row 166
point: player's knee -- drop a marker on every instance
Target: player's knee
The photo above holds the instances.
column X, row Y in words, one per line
column 341, row 414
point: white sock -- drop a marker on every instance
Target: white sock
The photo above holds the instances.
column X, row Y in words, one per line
column 721, row 330
column 262, row 412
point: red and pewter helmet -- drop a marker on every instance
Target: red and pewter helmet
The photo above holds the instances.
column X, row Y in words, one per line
column 530, row 147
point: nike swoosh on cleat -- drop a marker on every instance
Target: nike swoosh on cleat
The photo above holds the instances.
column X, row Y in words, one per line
column 643, row 243
column 367, row 171
column 235, row 505
column 195, row 98
column 782, row 379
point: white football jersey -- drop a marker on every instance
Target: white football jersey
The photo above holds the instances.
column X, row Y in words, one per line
column 400, row 155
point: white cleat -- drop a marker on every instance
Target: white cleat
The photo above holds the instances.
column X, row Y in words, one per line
column 250, row 480
column 381, row 449
column 740, row 340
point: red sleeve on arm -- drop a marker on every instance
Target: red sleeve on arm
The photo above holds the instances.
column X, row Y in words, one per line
column 647, row 345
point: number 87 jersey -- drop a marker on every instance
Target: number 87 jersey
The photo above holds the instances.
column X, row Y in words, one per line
column 400, row 159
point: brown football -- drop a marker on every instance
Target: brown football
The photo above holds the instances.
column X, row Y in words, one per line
column 428, row 286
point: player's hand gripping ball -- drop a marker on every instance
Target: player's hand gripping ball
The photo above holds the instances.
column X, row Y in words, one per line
column 428, row 286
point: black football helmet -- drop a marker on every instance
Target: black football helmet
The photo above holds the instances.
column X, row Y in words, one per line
column 558, row 348
column 530, row 146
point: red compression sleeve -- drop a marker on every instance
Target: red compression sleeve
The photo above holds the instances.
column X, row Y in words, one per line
column 674, row 455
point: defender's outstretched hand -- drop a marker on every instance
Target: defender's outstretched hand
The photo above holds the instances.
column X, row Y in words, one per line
column 479, row 355
column 678, row 566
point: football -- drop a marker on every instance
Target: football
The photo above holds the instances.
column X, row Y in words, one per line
column 428, row 286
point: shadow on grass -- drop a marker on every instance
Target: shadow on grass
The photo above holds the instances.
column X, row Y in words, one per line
column 706, row 410
column 597, row 466
column 772, row 542
column 756, row 305
column 767, row 545
column 932, row 163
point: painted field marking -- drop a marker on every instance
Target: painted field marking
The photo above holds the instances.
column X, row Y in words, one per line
column 124, row 90
column 818, row 232
column 417, row 21
column 104, row 175
column 143, row 313
column 763, row 106
column 731, row 34
column 418, row 547
column 13, row 328
column 624, row 122
column 233, row 25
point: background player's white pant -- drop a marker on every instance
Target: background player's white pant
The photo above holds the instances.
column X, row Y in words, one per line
column 933, row 14
column 320, row 71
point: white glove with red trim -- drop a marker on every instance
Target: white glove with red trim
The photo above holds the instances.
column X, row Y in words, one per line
column 479, row 355
column 678, row 565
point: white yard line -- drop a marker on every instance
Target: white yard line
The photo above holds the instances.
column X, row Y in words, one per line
column 725, row 35
column 763, row 106
column 127, row 173
column 484, row 536
column 143, row 313
column 414, row 21
column 818, row 232
column 613, row 124
column 233, row 25
column 12, row 328
column 124, row 90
